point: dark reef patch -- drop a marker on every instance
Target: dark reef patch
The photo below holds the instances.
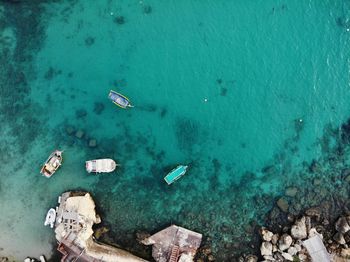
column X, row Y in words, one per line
column 223, row 91
column 89, row 41
column 80, row 113
column 51, row 73
column 120, row 83
column 98, row 108
column 119, row 20
column 163, row 112
column 147, row 9
column 187, row 133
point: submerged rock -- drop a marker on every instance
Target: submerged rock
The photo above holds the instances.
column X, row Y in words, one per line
column 291, row 191
column 314, row 212
column 79, row 134
column 70, row 130
column 92, row 143
column 283, row 204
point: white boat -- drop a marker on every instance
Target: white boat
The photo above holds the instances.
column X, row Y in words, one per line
column 52, row 164
column 106, row 165
column 50, row 218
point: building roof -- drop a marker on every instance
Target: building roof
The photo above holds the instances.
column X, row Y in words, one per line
column 174, row 244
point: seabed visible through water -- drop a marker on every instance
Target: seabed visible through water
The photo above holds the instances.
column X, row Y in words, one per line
column 252, row 96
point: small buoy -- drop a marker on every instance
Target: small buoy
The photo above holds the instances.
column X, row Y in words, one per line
column 111, row 13
column 347, row 29
column 205, row 100
column 300, row 120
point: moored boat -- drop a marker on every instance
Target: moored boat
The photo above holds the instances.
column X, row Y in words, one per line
column 119, row 99
column 175, row 174
column 106, row 165
column 50, row 218
column 52, row 164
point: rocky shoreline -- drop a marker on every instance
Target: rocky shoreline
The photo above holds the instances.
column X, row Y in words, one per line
column 287, row 243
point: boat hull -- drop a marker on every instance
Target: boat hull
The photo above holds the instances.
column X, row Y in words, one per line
column 175, row 174
column 119, row 99
column 52, row 164
column 50, row 218
column 106, row 165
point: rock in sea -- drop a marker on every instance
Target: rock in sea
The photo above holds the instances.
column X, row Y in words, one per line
column 342, row 225
column 79, row 134
column 291, row 191
column 266, row 235
column 92, row 143
column 298, row 230
column 339, row 238
column 266, row 249
column 283, row 204
column 285, row 242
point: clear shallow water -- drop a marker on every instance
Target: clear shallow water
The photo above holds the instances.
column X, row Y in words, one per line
column 261, row 66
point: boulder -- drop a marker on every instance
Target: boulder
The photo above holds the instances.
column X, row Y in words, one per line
column 283, row 204
column 274, row 248
column 313, row 232
column 266, row 234
column 339, row 238
column 266, row 249
column 251, row 258
column 287, row 256
column 292, row 251
column 285, row 242
column 268, row 259
column 298, row 230
column 297, row 247
column 291, row 191
column 303, row 257
column 342, row 225
column 275, row 238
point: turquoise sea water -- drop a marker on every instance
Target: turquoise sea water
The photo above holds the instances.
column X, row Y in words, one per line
column 242, row 91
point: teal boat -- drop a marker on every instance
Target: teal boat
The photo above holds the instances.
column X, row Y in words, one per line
column 175, row 174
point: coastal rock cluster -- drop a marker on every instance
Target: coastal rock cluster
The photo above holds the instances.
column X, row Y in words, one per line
column 287, row 245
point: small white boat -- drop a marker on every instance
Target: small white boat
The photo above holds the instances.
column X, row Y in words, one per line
column 106, row 165
column 50, row 218
column 52, row 164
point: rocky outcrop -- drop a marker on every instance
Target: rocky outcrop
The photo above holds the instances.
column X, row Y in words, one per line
column 289, row 246
column 298, row 230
